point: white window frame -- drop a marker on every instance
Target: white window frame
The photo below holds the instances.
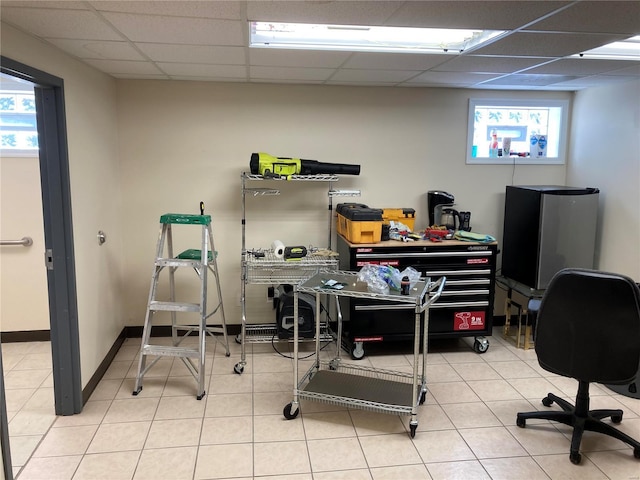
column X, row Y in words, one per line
column 561, row 131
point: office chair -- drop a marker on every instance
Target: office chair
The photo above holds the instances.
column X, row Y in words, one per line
column 588, row 328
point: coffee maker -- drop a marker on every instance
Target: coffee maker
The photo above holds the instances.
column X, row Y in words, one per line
column 435, row 198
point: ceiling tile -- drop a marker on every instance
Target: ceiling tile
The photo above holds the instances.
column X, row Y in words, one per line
column 530, row 80
column 316, row 74
column 387, row 76
column 186, row 78
column 581, row 66
column 200, row 70
column 181, row 30
column 457, row 78
column 67, row 5
column 491, row 15
column 139, row 76
column 197, row 9
column 630, row 71
column 164, row 52
column 486, row 64
column 98, row 49
column 296, row 58
column 288, row 82
column 336, row 12
column 122, row 67
column 395, row 61
column 367, row 83
column 52, row 23
column 596, row 81
column 545, row 44
column 595, row 17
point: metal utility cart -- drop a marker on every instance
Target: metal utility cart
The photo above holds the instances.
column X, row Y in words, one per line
column 372, row 389
column 263, row 267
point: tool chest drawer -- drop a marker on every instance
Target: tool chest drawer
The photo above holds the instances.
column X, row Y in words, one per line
column 465, row 307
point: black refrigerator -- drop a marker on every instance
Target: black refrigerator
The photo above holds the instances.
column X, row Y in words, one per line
column 547, row 228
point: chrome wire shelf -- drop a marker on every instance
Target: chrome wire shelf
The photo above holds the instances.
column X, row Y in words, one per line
column 320, row 177
column 268, row 332
column 370, row 389
column 273, row 270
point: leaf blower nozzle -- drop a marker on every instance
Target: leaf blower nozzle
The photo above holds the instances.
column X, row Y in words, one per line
column 265, row 164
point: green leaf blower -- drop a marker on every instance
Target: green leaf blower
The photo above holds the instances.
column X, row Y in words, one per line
column 270, row 166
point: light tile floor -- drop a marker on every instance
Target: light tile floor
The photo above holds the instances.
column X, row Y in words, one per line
column 466, row 426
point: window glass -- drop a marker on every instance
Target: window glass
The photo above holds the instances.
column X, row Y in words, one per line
column 506, row 131
column 18, row 127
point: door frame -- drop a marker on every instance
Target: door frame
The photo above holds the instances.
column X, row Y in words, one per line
column 58, row 233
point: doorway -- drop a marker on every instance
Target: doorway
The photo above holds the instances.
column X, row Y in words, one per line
column 58, row 237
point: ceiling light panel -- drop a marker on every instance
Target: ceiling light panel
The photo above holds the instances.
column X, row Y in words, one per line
column 359, row 38
column 628, row 49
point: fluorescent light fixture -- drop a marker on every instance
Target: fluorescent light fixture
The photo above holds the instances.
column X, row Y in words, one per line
column 628, row 49
column 366, row 39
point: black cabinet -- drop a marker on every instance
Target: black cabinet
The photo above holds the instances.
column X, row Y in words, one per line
column 464, row 309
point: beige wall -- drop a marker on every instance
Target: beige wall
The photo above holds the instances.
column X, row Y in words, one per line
column 182, row 142
column 605, row 153
column 23, row 278
column 90, row 103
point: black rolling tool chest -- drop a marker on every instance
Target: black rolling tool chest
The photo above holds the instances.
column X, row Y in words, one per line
column 465, row 308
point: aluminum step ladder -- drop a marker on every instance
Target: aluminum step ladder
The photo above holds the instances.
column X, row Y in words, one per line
column 202, row 262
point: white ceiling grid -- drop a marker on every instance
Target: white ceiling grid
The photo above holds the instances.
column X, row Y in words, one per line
column 209, row 41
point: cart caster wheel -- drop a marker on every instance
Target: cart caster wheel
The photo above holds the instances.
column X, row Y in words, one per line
column 521, row 422
column 287, row 412
column 200, row 397
column 357, row 352
column 228, row 354
column 616, row 418
column 238, row 368
column 481, row 346
column 413, row 429
column 575, row 458
column 423, row 397
column 547, row 402
column 239, row 339
column 136, row 392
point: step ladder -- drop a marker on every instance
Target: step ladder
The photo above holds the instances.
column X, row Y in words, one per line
column 202, row 262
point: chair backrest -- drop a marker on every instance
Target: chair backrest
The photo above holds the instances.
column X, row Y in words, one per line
column 588, row 326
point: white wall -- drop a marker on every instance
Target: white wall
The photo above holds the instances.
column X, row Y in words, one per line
column 605, row 153
column 90, row 103
column 182, row 142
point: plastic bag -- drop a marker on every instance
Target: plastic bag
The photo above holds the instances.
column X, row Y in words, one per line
column 413, row 274
column 382, row 278
column 375, row 283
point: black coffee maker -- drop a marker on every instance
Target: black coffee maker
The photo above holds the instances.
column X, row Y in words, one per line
column 435, row 198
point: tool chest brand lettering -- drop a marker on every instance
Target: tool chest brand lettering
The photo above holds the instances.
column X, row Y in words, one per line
column 477, row 261
column 468, row 321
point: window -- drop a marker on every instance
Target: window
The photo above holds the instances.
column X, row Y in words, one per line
column 527, row 131
column 18, row 127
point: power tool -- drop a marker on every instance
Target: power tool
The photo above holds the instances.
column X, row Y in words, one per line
column 270, row 166
column 295, row 253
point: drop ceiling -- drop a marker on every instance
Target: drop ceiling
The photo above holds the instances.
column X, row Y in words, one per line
column 208, row 41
